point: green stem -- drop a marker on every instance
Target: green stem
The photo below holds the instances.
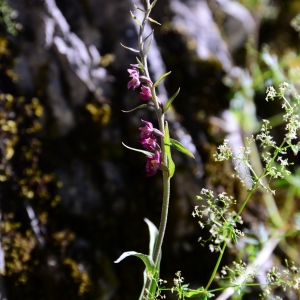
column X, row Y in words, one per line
column 246, row 201
column 216, row 267
column 166, row 179
column 268, row 197
column 164, row 217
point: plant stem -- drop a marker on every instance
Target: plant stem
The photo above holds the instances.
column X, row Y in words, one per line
column 216, row 267
column 164, row 217
column 166, row 179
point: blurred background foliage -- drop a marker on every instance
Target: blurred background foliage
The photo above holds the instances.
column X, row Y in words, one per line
column 72, row 198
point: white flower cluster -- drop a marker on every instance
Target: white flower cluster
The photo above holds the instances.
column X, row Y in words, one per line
column 218, row 216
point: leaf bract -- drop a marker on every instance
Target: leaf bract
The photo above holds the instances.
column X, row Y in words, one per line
column 139, row 150
column 138, row 107
column 153, row 21
column 161, row 78
column 136, row 19
column 129, row 48
column 170, row 100
column 152, row 4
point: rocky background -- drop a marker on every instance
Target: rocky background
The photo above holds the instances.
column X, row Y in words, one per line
column 72, row 198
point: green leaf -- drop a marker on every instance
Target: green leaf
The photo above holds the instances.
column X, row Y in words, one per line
column 153, row 286
column 145, row 258
column 171, row 165
column 192, row 293
column 152, row 4
column 161, row 78
column 129, row 48
column 233, row 236
column 153, row 21
column 139, row 62
column 149, row 44
column 146, row 38
column 153, row 231
column 136, row 19
column 169, row 102
column 139, row 150
column 138, row 8
column 177, row 145
column 138, row 107
column 140, row 65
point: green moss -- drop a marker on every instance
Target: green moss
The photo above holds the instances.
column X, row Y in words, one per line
column 80, row 277
column 17, row 248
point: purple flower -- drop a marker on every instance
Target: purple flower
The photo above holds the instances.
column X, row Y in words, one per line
column 148, row 130
column 153, row 163
column 145, row 93
column 149, row 143
column 135, row 81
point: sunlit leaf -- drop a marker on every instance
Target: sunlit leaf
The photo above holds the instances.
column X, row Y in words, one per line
column 138, row 8
column 161, row 78
column 136, row 19
column 148, row 46
column 171, row 165
column 138, row 107
column 145, row 258
column 170, row 100
column 139, row 62
column 177, row 145
column 153, row 232
column 139, row 150
column 150, row 34
column 152, row 4
column 153, row 21
column 129, row 48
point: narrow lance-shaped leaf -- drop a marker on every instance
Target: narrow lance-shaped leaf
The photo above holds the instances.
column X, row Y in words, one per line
column 153, row 21
column 161, row 78
column 145, row 258
column 171, row 165
column 140, row 65
column 177, row 145
column 138, row 107
column 139, row 62
column 136, row 19
column 148, row 46
column 153, row 231
column 152, row 4
column 146, row 38
column 139, row 150
column 140, row 9
column 170, row 100
column 129, row 48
